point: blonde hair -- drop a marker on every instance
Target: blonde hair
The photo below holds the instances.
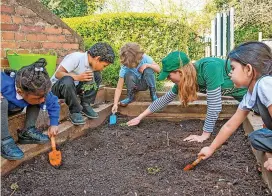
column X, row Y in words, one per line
column 187, row 87
column 131, row 55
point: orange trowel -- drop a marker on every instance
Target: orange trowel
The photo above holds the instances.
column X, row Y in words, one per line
column 195, row 163
column 54, row 155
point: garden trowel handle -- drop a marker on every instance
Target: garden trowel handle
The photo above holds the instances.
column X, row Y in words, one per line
column 199, row 159
column 53, row 143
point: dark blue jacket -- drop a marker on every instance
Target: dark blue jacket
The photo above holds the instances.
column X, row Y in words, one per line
column 9, row 92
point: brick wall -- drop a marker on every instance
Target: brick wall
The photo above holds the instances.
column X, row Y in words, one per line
column 28, row 27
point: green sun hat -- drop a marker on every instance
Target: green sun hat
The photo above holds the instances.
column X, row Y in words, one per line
column 171, row 62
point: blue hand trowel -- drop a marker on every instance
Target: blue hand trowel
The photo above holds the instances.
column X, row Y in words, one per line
column 113, row 119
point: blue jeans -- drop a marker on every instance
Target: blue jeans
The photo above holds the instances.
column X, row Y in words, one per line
column 261, row 139
column 147, row 80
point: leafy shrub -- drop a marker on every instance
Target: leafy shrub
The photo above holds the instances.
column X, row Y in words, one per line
column 157, row 34
column 250, row 32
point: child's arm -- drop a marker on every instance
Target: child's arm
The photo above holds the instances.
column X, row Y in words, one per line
column 226, row 131
column 214, row 107
column 270, row 110
column 117, row 94
column 53, row 109
column 85, row 76
column 153, row 107
column 153, row 66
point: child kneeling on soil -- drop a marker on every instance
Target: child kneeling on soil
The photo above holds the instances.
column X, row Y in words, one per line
column 137, row 72
column 206, row 75
column 251, row 64
column 29, row 87
column 80, row 74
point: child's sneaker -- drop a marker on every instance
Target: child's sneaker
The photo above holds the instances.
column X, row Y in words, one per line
column 89, row 112
column 32, row 136
column 77, row 119
column 9, row 150
column 129, row 99
column 126, row 101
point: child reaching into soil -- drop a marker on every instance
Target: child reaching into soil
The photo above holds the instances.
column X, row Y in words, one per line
column 206, row 75
column 29, row 87
column 251, row 64
column 137, row 72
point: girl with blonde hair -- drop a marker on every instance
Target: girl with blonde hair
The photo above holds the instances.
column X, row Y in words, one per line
column 137, row 72
column 205, row 75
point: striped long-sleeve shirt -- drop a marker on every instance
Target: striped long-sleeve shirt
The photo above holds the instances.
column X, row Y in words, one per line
column 214, row 102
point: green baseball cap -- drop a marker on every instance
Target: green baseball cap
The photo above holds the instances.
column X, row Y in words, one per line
column 171, row 62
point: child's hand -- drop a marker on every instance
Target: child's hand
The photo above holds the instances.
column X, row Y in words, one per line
column 114, row 109
column 198, row 138
column 85, row 76
column 52, row 131
column 142, row 68
column 206, row 152
column 268, row 164
column 134, row 121
column 1, row 97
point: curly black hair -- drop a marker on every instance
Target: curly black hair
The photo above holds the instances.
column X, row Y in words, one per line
column 103, row 50
column 34, row 78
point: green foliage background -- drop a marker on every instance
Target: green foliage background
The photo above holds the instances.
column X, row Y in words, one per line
column 248, row 24
column 157, row 34
column 250, row 32
column 72, row 8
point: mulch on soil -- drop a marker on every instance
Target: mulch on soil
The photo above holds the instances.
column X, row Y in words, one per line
column 144, row 160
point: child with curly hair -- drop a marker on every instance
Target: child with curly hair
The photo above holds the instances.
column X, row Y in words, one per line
column 76, row 71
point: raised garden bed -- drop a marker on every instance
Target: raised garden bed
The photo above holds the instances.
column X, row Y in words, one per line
column 144, row 160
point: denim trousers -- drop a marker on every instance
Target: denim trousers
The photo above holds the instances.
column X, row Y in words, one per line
column 146, row 81
column 261, row 139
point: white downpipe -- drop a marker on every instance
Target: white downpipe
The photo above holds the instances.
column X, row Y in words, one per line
column 218, row 34
column 231, row 28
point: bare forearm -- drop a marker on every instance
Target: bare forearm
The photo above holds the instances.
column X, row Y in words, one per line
column 117, row 95
column 229, row 128
column 144, row 114
column 222, row 137
column 60, row 75
column 155, row 67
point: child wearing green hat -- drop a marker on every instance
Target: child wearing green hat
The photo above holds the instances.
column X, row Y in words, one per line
column 206, row 75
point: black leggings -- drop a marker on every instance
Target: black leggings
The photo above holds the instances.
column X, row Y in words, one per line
column 32, row 113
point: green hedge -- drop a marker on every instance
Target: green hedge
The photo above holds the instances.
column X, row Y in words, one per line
column 251, row 32
column 157, row 34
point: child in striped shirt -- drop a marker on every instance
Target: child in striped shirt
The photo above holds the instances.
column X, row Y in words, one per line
column 207, row 75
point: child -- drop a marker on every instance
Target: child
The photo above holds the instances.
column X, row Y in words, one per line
column 79, row 74
column 137, row 72
column 29, row 87
column 206, row 75
column 251, row 64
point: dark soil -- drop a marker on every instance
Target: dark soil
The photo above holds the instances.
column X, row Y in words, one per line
column 117, row 160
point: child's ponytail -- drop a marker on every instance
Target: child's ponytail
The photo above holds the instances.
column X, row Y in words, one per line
column 34, row 78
